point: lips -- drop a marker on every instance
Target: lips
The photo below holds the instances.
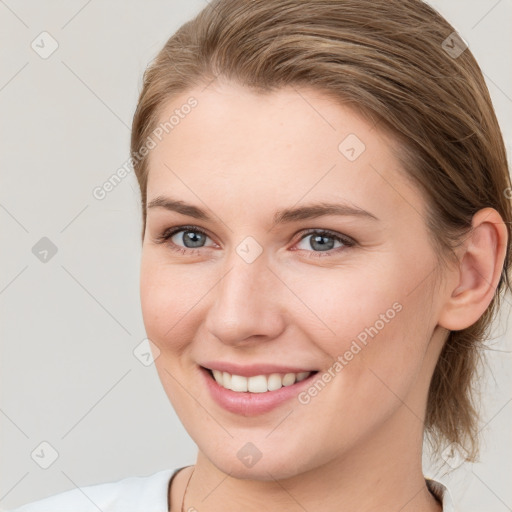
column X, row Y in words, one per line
column 252, row 403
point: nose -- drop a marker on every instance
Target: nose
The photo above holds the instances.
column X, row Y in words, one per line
column 248, row 304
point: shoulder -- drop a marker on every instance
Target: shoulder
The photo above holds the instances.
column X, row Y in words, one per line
column 132, row 494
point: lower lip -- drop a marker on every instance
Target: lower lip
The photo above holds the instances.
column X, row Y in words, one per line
column 252, row 404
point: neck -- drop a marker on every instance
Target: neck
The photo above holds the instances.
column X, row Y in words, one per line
column 383, row 473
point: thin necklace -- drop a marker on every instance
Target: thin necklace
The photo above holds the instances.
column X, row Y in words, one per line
column 186, row 488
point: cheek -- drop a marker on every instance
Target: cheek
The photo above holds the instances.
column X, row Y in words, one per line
column 338, row 305
column 174, row 300
column 167, row 294
column 374, row 321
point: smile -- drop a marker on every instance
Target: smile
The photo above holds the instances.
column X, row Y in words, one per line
column 257, row 383
column 252, row 395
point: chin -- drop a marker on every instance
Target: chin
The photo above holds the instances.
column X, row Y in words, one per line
column 263, row 470
column 264, row 461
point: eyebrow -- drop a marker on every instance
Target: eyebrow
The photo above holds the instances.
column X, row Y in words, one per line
column 287, row 215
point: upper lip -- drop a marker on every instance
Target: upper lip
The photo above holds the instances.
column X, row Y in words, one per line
column 252, row 369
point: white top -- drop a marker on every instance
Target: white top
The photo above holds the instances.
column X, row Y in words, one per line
column 145, row 494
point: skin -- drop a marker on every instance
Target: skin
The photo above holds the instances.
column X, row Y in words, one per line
column 358, row 443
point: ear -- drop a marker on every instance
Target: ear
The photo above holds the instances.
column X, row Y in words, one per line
column 479, row 271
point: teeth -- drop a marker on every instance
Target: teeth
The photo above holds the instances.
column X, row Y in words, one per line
column 274, row 382
column 238, row 383
column 257, row 383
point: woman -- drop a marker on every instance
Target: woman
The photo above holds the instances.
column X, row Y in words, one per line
column 325, row 241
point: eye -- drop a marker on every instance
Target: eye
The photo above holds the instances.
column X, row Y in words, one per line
column 192, row 238
column 323, row 241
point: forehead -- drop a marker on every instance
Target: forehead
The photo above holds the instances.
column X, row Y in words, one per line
column 286, row 146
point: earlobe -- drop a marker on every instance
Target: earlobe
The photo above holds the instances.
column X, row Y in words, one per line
column 479, row 271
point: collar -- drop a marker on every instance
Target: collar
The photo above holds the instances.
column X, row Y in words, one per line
column 442, row 494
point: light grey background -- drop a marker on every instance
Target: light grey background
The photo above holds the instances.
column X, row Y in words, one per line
column 69, row 325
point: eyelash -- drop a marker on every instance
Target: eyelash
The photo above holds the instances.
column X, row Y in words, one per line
column 169, row 233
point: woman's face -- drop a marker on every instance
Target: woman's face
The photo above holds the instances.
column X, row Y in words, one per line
column 268, row 275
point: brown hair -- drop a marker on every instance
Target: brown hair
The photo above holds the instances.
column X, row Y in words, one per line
column 398, row 62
